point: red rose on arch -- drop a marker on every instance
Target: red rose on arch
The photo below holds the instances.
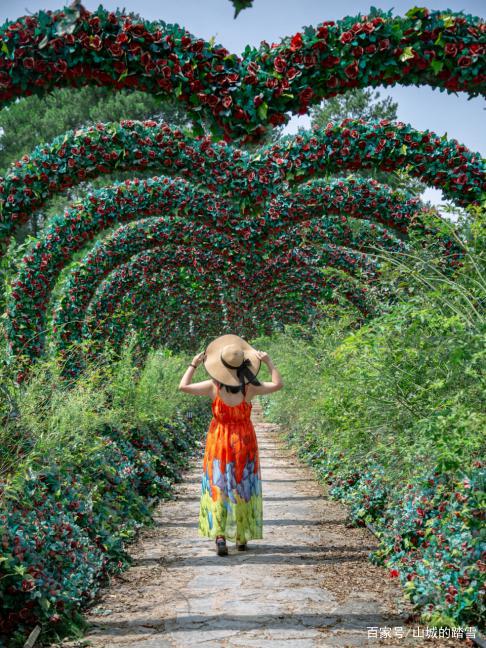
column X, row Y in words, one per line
column 145, row 59
column 306, row 95
column 280, row 64
column 476, row 49
column 198, row 46
column 166, row 72
column 450, row 49
column 310, row 60
column 241, row 114
column 115, row 49
column 292, row 73
column 277, row 118
column 227, row 101
column 95, row 43
column 95, row 23
column 137, row 30
column 464, row 61
column 296, row 42
column 40, row 66
column 352, row 70
column 119, row 67
column 258, row 100
column 330, row 61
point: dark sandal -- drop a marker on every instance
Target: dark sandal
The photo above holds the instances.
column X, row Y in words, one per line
column 221, row 547
column 241, row 547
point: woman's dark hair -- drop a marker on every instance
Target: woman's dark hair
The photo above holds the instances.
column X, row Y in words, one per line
column 234, row 389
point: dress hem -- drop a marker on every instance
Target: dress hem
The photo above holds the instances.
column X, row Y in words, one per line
column 228, row 537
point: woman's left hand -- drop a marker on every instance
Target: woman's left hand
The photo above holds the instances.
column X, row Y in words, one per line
column 200, row 357
column 263, row 356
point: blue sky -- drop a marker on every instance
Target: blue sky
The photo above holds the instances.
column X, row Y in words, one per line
column 272, row 19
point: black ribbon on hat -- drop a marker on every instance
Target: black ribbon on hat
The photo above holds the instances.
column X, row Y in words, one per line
column 242, row 371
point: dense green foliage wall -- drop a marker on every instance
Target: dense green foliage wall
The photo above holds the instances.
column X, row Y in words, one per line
column 80, row 468
column 392, row 415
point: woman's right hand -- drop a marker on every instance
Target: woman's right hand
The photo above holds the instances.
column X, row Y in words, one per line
column 263, row 356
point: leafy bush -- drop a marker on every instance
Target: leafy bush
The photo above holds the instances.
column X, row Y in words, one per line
column 79, row 494
column 392, row 416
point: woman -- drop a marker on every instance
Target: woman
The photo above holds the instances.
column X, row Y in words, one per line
column 231, row 494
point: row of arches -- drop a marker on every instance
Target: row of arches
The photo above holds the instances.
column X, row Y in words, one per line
column 219, row 233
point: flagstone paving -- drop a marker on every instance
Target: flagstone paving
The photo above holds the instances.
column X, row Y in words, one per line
column 307, row 583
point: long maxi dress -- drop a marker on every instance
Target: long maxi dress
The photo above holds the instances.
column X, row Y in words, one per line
column 231, row 501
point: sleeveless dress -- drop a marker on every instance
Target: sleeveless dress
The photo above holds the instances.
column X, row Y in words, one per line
column 231, row 501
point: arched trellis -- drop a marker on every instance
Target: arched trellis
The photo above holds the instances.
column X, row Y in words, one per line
column 153, row 326
column 241, row 96
column 248, row 178
column 176, row 296
column 132, row 283
column 151, row 304
column 263, row 311
column 118, row 248
column 127, row 281
column 296, row 271
column 179, row 334
column 362, row 199
column 355, row 197
column 133, row 238
column 135, row 199
column 70, row 232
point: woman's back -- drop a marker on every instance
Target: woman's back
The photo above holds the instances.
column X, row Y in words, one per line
column 231, row 492
column 226, row 412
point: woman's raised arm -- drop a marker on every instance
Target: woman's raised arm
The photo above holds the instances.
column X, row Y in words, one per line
column 268, row 387
column 204, row 388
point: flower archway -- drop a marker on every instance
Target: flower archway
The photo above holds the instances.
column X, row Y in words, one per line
column 241, row 95
column 250, row 179
column 271, row 218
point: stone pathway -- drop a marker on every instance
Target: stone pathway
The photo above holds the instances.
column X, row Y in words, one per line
column 307, row 583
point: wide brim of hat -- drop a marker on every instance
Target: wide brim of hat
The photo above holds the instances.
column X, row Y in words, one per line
column 216, row 368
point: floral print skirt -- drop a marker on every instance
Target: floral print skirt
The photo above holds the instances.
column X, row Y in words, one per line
column 231, row 488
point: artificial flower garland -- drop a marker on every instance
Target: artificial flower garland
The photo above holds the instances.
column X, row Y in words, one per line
column 241, row 96
column 185, row 206
column 250, row 179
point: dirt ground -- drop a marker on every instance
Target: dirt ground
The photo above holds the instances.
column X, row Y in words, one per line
column 307, row 583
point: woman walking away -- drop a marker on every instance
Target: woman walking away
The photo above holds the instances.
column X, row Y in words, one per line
column 231, row 505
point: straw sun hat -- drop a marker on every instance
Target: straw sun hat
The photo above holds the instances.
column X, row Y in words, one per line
column 230, row 360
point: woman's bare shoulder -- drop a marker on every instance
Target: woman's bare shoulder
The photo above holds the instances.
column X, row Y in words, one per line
column 203, row 388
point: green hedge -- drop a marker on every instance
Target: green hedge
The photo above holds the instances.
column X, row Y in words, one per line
column 68, row 509
column 392, row 416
